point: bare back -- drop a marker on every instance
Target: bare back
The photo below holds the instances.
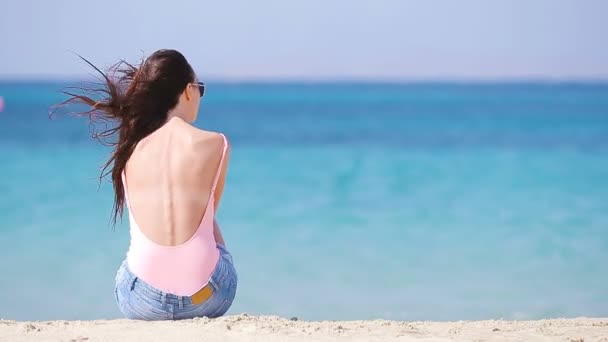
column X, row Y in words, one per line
column 169, row 177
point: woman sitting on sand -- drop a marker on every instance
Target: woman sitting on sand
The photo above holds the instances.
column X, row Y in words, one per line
column 170, row 175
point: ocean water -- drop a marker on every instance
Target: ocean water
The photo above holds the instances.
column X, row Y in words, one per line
column 343, row 201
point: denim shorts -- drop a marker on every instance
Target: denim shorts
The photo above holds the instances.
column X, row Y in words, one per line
column 137, row 299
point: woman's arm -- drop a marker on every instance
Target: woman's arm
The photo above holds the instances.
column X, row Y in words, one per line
column 217, row 233
column 219, row 188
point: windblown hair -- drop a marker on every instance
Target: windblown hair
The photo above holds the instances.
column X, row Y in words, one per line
column 134, row 101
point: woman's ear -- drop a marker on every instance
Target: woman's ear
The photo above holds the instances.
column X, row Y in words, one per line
column 188, row 93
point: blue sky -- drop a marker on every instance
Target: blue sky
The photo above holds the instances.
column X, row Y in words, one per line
column 314, row 39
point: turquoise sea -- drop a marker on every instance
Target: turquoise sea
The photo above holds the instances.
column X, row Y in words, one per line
column 440, row 201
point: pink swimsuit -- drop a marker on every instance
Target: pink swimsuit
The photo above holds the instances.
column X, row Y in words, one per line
column 183, row 269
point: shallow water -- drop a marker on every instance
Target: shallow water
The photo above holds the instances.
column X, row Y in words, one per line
column 343, row 201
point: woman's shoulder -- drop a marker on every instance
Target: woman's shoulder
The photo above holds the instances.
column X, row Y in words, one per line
column 195, row 136
column 203, row 139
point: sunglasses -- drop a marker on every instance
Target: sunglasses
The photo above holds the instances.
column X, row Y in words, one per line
column 201, row 87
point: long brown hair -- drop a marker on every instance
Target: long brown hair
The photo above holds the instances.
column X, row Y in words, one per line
column 134, row 101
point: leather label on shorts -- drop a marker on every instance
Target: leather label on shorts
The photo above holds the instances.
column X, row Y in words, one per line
column 202, row 295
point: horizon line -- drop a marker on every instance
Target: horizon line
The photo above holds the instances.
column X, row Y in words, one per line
column 312, row 80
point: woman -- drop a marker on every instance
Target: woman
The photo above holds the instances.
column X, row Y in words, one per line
column 170, row 176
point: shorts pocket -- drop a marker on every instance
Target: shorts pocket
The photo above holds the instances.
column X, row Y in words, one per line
column 135, row 310
column 145, row 305
column 134, row 306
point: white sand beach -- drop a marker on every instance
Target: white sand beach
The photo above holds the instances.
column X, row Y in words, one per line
column 245, row 327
